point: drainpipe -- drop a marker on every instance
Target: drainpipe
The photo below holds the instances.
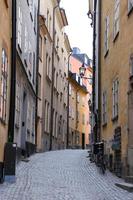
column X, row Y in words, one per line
column 94, row 71
column 99, row 70
column 67, row 144
column 13, row 76
column 37, row 68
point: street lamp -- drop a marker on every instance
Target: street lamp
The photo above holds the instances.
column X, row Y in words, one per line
column 52, row 82
column 82, row 71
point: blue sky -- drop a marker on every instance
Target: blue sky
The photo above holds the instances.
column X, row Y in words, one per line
column 79, row 30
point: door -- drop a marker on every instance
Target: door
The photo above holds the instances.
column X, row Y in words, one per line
column 23, row 122
column 83, row 141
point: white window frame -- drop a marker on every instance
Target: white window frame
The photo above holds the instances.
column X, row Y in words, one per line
column 3, row 88
column 130, row 5
column 116, row 17
column 115, row 94
column 106, row 35
column 17, row 113
column 20, row 23
column 131, row 65
column 104, row 107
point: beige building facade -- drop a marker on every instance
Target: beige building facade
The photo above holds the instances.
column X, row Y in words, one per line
column 116, row 62
column 52, row 73
column 5, row 73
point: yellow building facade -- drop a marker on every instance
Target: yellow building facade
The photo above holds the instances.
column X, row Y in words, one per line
column 5, row 71
column 80, row 90
column 116, row 89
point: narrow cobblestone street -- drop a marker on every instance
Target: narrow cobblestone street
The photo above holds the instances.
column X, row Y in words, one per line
column 62, row 175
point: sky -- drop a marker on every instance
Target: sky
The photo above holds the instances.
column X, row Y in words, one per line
column 79, row 30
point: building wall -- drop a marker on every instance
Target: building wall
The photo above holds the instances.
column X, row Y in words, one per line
column 83, row 125
column 115, row 64
column 26, row 73
column 61, row 52
column 5, row 43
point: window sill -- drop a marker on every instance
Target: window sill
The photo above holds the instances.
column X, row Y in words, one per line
column 106, row 54
column 116, row 36
column 115, row 118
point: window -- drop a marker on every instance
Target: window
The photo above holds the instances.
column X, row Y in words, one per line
column 70, row 90
column 131, row 65
column 45, row 124
column 29, row 117
column 104, row 107
column 115, row 98
column 78, row 98
column 30, row 59
column 83, row 119
column 49, row 28
column 19, row 28
column 130, row 5
column 35, row 19
column 34, row 67
column 56, row 125
column 63, row 137
column 47, row 116
column 39, row 85
column 33, row 124
column 106, row 35
column 77, row 116
column 17, row 113
column 53, row 122
column 90, row 79
column 40, row 47
column 3, row 88
column 48, row 66
column 31, row 8
column 72, row 113
column 47, row 19
column 116, row 17
column 7, row 3
column 26, row 40
column 57, row 81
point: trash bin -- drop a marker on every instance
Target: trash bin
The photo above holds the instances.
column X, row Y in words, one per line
column 1, row 172
column 10, row 162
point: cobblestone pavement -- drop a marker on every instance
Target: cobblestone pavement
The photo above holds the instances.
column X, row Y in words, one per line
column 62, row 175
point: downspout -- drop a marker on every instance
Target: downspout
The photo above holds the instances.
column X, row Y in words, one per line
column 13, row 76
column 67, row 144
column 94, row 72
column 99, row 71
column 37, row 68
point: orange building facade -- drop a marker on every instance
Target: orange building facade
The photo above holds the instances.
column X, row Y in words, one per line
column 80, row 90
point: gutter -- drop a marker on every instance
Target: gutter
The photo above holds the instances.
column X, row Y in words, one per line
column 99, row 70
column 13, row 76
column 94, row 69
column 37, row 68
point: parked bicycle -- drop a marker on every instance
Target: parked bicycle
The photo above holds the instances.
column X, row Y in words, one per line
column 101, row 163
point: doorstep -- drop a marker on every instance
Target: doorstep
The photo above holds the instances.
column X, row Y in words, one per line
column 125, row 186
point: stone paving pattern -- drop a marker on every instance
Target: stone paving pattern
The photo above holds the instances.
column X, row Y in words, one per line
column 62, row 175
